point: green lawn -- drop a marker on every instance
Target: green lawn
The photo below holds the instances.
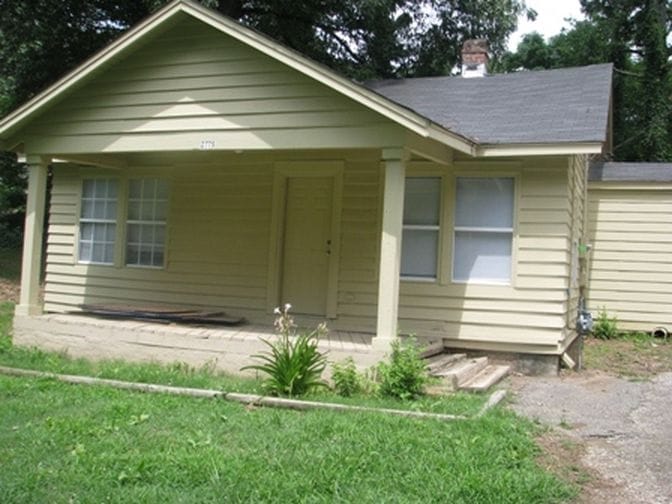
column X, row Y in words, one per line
column 67, row 443
column 64, row 443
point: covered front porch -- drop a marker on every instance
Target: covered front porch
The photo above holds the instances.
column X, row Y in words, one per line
column 223, row 348
column 226, row 248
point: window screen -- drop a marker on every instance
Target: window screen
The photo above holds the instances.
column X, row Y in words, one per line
column 97, row 221
column 146, row 222
column 420, row 240
column 483, row 229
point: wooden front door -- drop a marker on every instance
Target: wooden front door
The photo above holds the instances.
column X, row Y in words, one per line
column 307, row 244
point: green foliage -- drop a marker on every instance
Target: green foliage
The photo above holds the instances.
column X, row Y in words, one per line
column 12, row 201
column 347, row 381
column 42, row 40
column 293, row 365
column 605, row 327
column 655, row 121
column 39, row 41
column 633, row 35
column 405, row 375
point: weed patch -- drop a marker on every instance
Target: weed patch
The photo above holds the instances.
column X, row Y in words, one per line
column 631, row 355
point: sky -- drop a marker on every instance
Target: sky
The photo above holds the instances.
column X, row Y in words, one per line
column 550, row 20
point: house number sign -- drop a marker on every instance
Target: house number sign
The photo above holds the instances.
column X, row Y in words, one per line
column 207, row 145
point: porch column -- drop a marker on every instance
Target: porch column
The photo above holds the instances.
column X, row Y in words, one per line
column 390, row 247
column 33, row 232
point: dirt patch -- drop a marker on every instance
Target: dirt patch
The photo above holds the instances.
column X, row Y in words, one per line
column 563, row 455
column 9, row 291
column 632, row 356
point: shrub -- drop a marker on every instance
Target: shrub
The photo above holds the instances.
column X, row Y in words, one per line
column 294, row 365
column 405, row 376
column 605, row 327
column 347, row 380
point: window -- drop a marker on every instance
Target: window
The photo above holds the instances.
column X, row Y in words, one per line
column 97, row 222
column 420, row 240
column 483, row 230
column 146, row 222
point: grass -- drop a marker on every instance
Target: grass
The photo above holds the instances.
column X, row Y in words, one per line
column 631, row 355
column 183, row 375
column 63, row 443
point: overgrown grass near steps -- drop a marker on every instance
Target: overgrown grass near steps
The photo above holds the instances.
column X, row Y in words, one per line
column 179, row 374
column 64, row 443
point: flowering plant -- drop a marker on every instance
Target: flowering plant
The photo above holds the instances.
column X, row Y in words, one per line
column 293, row 364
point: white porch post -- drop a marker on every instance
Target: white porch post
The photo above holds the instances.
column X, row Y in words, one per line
column 390, row 248
column 29, row 302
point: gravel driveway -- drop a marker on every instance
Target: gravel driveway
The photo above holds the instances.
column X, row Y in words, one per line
column 625, row 426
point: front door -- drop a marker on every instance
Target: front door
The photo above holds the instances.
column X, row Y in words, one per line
column 307, row 244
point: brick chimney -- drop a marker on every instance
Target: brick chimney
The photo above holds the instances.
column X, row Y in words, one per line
column 475, row 58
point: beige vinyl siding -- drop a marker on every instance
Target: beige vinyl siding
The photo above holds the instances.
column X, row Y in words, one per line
column 218, row 249
column 218, row 239
column 193, row 84
column 360, row 246
column 630, row 265
column 529, row 315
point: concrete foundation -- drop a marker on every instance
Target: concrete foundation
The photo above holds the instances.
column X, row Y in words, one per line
column 225, row 349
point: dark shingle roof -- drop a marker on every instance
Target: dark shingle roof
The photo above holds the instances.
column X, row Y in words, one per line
column 550, row 106
column 630, row 172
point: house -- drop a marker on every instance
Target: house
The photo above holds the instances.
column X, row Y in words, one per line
column 199, row 163
column 630, row 230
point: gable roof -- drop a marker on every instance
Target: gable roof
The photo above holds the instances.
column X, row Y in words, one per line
column 630, row 172
column 409, row 119
column 550, row 106
column 453, row 125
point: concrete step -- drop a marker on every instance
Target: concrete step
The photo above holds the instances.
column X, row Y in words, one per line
column 441, row 361
column 462, row 371
column 486, row 378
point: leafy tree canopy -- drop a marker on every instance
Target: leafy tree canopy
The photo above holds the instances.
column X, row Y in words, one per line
column 41, row 40
column 635, row 36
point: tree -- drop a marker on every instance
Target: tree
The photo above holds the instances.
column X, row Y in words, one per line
column 655, row 121
column 533, row 53
column 40, row 40
column 632, row 35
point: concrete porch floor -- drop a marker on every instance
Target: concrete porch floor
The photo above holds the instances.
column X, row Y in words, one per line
column 226, row 348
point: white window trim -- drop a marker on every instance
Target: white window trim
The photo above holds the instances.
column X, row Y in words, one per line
column 128, row 221
column 515, row 175
column 83, row 220
column 414, row 172
column 119, row 261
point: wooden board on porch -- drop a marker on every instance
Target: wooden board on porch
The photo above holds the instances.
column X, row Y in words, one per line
column 161, row 313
